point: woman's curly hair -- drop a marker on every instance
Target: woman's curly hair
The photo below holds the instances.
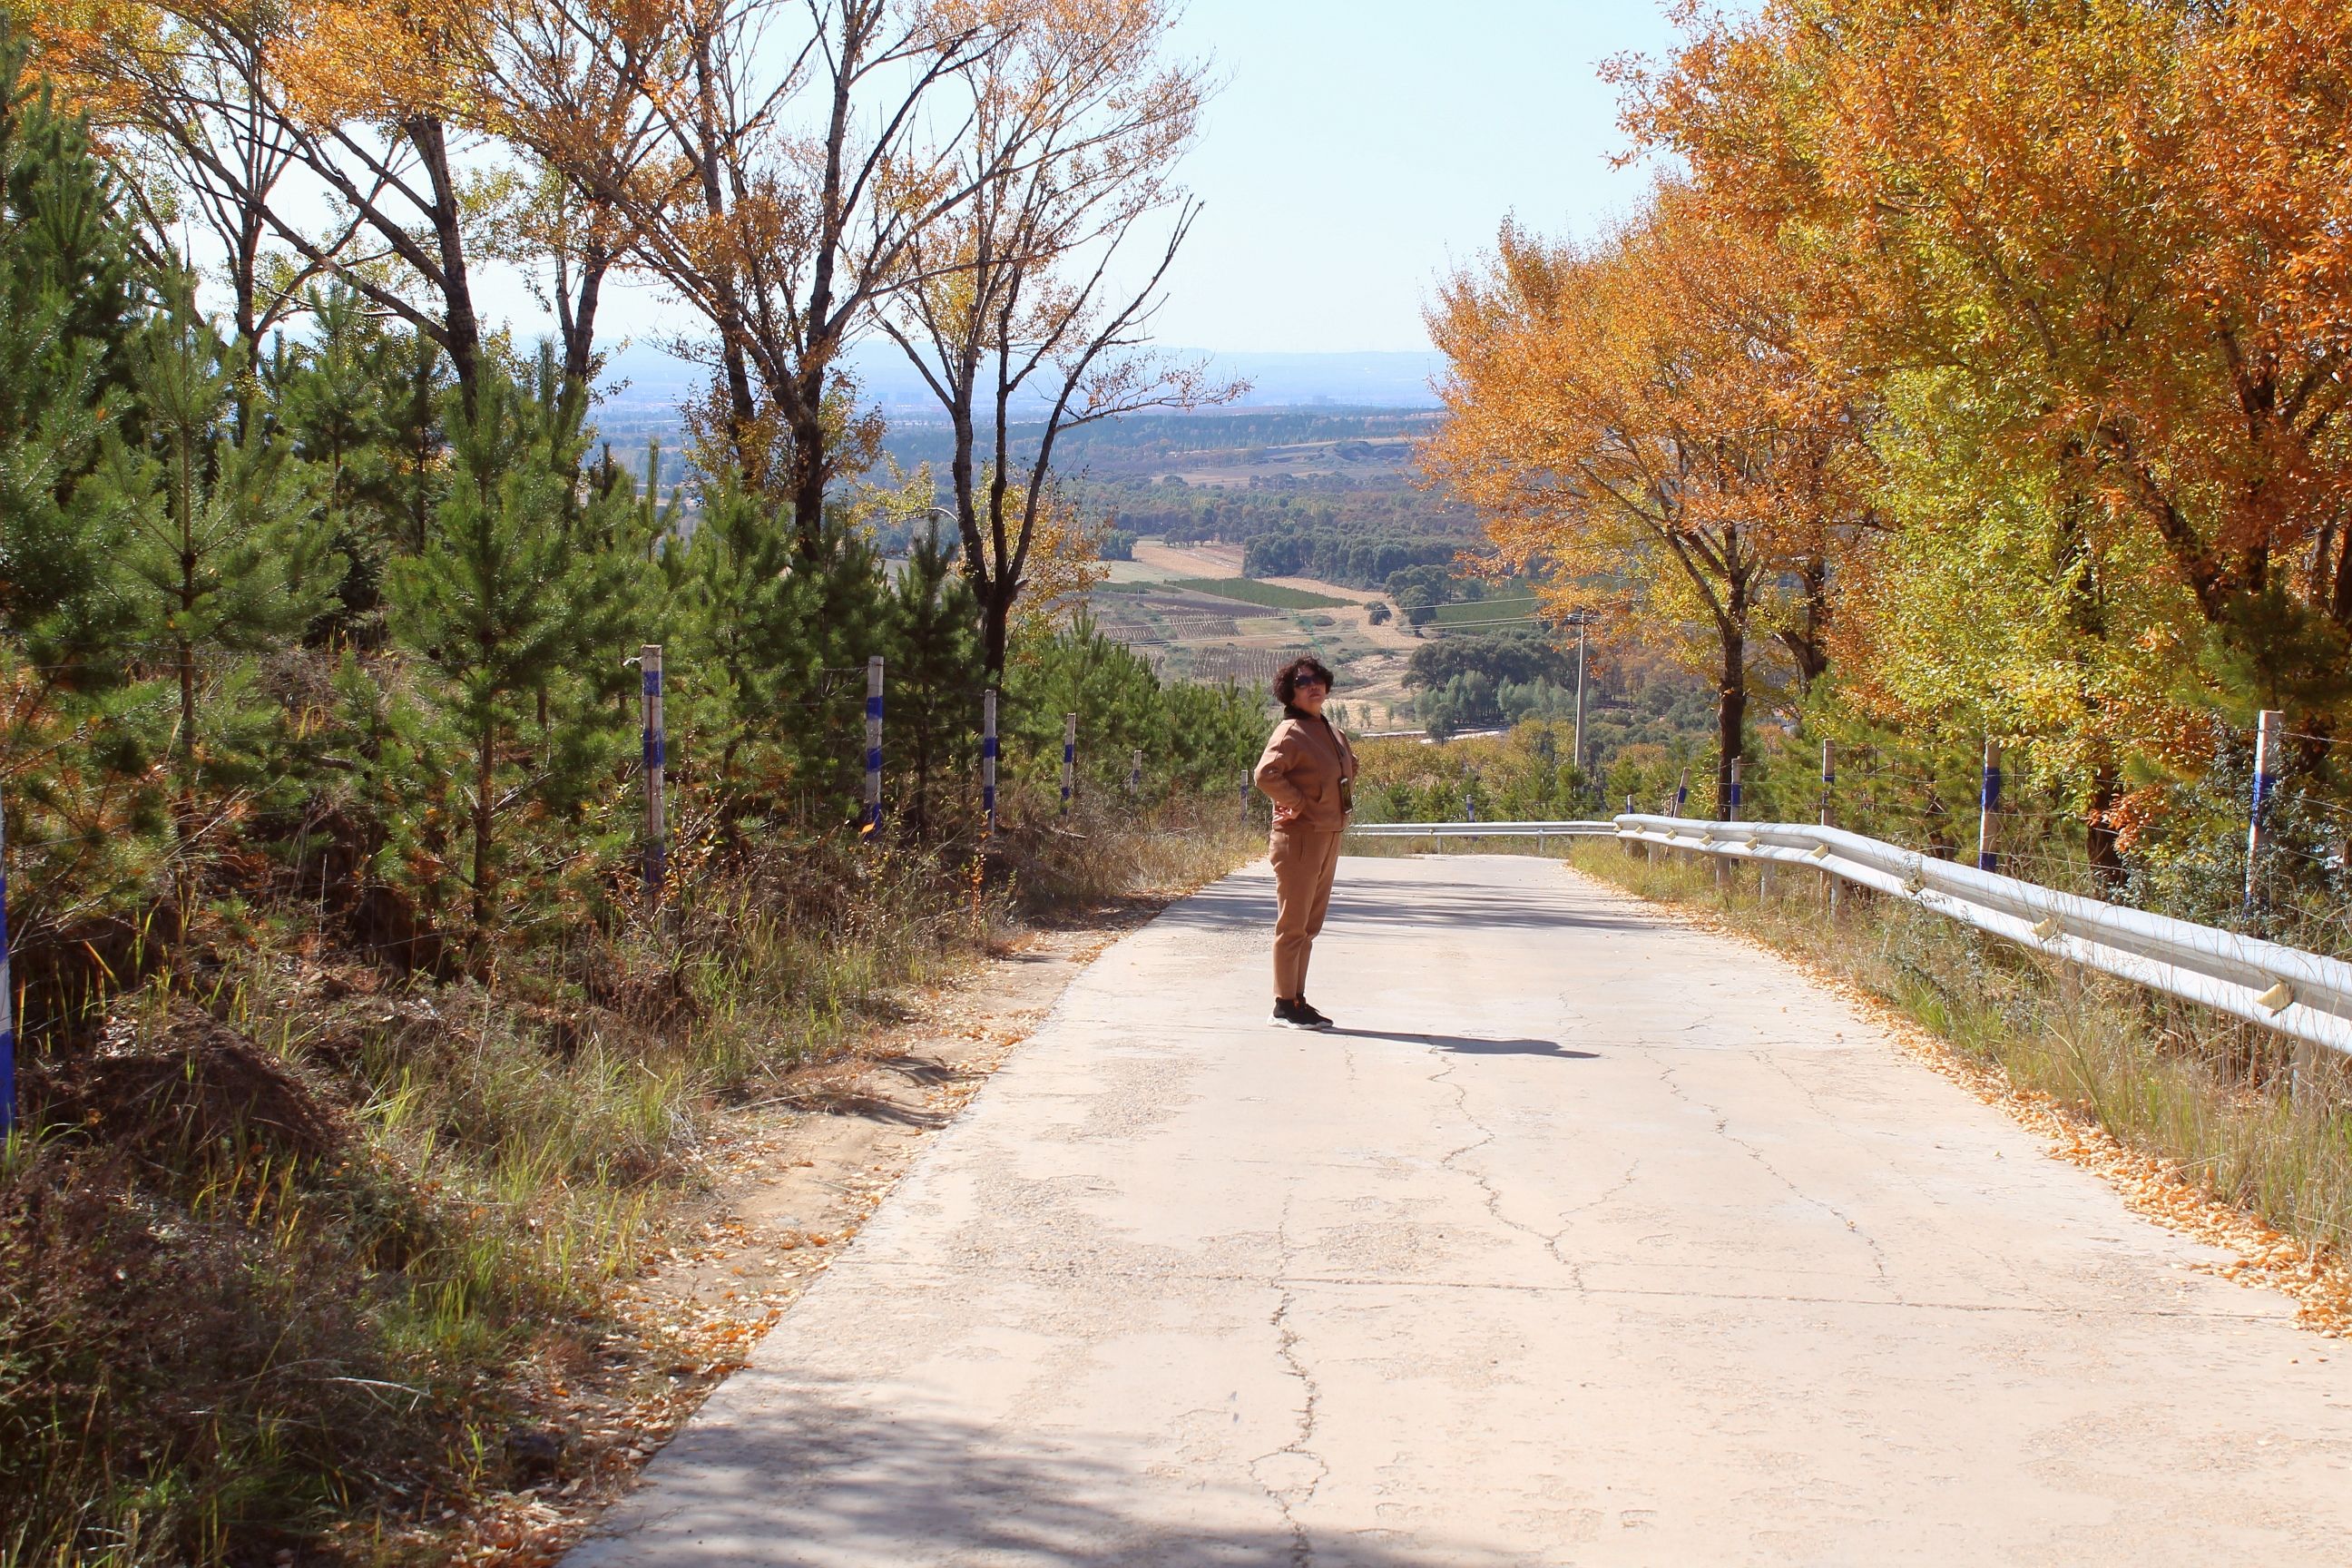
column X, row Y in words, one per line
column 1286, row 680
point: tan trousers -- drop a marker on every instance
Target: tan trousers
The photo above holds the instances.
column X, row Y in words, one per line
column 1304, row 861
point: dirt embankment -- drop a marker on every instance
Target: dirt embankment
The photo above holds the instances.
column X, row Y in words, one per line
column 786, row 1194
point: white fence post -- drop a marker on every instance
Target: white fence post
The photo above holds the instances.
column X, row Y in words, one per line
column 1069, row 757
column 1829, row 782
column 656, row 766
column 988, row 760
column 1135, row 772
column 2267, row 747
column 7, row 1005
column 1988, row 808
column 872, row 827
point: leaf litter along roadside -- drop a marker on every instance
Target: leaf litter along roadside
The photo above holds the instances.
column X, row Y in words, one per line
column 791, row 1182
column 2317, row 1278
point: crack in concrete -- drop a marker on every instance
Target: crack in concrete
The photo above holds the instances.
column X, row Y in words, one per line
column 1291, row 1497
column 1494, row 1194
column 1568, row 1218
column 1831, row 1119
column 1723, row 1130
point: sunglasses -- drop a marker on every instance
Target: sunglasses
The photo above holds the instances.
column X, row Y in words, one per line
column 1311, row 680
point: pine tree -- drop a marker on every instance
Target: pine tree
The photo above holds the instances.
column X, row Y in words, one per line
column 934, row 670
column 73, row 757
column 775, row 646
column 520, row 610
column 227, row 549
column 336, row 397
column 69, row 283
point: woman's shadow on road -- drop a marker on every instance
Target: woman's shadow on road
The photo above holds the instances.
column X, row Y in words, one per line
column 1464, row 1046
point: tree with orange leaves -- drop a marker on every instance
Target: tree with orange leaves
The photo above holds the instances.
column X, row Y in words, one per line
column 798, row 155
column 268, row 114
column 182, row 97
column 1642, row 430
column 2094, row 254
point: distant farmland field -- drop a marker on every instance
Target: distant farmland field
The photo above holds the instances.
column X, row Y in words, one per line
column 1273, row 595
column 1473, row 611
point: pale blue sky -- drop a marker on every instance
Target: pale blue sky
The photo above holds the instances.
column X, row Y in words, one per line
column 1359, row 149
column 1362, row 146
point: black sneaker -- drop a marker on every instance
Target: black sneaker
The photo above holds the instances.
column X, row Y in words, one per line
column 1287, row 1015
column 1308, row 1017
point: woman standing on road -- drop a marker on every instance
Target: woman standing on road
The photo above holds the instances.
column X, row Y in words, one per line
column 1309, row 773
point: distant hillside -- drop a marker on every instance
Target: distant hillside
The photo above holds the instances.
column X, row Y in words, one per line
column 647, row 385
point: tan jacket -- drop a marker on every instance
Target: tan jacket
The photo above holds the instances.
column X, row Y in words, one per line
column 1307, row 771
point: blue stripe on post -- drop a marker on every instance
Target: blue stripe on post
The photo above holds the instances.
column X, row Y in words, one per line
column 653, row 682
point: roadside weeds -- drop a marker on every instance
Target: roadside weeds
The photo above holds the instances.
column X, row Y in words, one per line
column 789, row 1189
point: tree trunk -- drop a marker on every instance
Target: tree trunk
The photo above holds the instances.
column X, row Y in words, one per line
column 579, row 324
column 462, row 326
column 2107, row 861
column 805, row 420
column 996, row 625
column 1730, row 714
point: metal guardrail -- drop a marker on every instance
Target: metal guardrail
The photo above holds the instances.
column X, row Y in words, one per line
column 2305, row 996
column 1483, row 829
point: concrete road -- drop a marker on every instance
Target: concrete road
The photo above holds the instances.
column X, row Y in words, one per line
column 1596, row 1240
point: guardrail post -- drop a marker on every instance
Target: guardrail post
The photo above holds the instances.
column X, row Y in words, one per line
column 1828, row 781
column 1069, row 758
column 1245, row 784
column 2267, row 747
column 656, row 764
column 1135, row 772
column 874, row 748
column 988, row 761
column 1988, row 808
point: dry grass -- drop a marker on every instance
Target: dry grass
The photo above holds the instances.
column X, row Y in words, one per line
column 292, row 1263
column 2161, row 1094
